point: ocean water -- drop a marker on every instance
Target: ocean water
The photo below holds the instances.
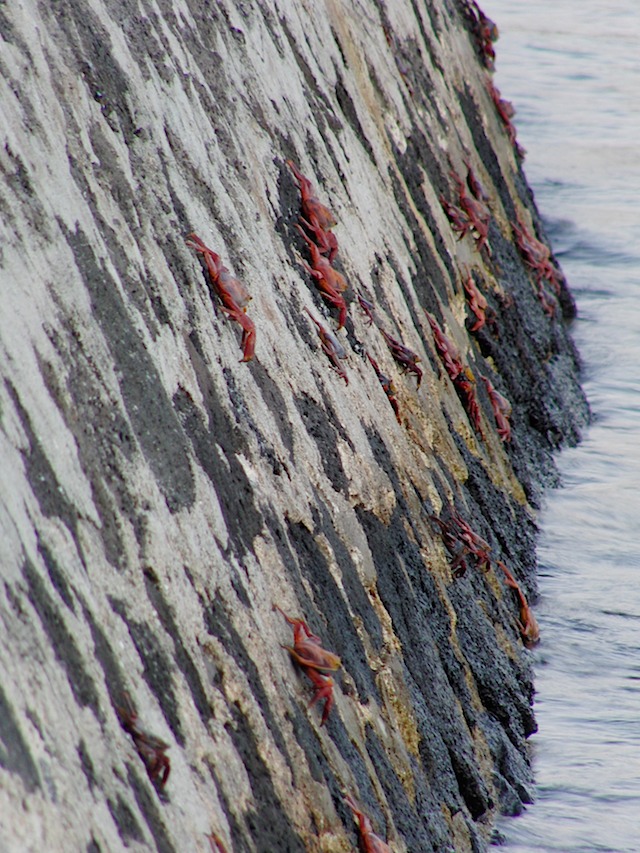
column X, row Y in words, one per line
column 572, row 70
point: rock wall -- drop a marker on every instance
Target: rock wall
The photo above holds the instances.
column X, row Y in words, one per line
column 160, row 496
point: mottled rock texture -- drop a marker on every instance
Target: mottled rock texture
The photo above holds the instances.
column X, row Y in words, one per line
column 159, row 497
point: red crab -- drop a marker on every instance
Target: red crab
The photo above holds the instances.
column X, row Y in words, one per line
column 316, row 662
column 330, row 282
column 537, row 257
column 406, row 358
column 458, row 219
column 462, row 542
column 473, row 208
column 484, row 31
column 369, row 841
column 331, row 346
column 150, row 748
column 466, row 391
column 501, row 410
column 446, row 349
column 529, row 630
column 387, row 387
column 368, row 307
column 477, row 303
column 461, row 376
column 326, row 241
column 506, row 112
column 233, row 295
column 313, row 210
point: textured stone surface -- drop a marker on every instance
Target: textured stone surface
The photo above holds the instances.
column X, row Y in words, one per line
column 158, row 497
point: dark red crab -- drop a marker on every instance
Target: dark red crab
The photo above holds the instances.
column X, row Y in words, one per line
column 446, row 349
column 536, row 254
column 329, row 281
column 368, row 308
column 506, row 112
column 405, row 357
column 331, row 346
column 463, row 544
column 461, row 376
column 233, row 295
column 501, row 410
column 473, row 209
column 150, row 748
column 477, row 303
column 527, row 624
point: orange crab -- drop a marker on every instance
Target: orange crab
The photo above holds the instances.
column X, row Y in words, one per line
column 326, row 241
column 216, row 843
column 316, row 662
column 369, row 841
column 233, row 295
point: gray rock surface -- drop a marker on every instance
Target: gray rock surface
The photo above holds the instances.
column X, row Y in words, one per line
column 159, row 496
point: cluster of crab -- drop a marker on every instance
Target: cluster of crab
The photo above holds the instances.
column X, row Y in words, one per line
column 464, row 383
column 471, row 214
column 463, row 544
column 465, row 547
column 317, row 220
column 484, row 31
column 485, row 34
column 461, row 376
column 323, row 248
column 537, row 257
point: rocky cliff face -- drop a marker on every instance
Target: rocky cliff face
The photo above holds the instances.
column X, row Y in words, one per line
column 159, row 496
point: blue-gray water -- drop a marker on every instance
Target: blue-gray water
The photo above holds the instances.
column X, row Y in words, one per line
column 572, row 70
